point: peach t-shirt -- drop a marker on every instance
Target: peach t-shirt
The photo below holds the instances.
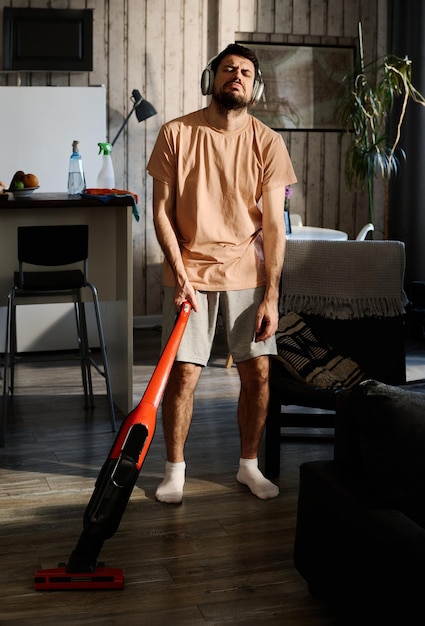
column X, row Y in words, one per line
column 219, row 177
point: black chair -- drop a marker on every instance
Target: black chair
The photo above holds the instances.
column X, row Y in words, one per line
column 350, row 295
column 55, row 246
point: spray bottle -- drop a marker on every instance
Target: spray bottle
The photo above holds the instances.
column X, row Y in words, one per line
column 106, row 176
column 76, row 181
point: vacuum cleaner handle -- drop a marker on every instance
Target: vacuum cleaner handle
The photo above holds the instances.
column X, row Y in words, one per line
column 145, row 411
column 119, row 473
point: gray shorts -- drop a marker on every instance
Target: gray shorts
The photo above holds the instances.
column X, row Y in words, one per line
column 238, row 310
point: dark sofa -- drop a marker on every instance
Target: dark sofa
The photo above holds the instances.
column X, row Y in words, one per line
column 360, row 535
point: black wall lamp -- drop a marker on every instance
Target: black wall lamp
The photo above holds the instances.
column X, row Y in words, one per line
column 141, row 107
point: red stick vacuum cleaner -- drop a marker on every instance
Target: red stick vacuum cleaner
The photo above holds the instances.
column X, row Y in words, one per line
column 115, row 483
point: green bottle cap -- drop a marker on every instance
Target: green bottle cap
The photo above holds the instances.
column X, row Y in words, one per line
column 106, row 148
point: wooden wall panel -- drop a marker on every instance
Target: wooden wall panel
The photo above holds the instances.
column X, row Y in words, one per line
column 160, row 48
column 314, row 201
column 335, row 18
column 100, row 43
column 194, row 53
column 176, row 45
column 228, row 17
column 248, row 15
column 318, row 11
column 330, row 173
column 297, row 145
column 173, row 65
column 133, row 143
column 300, row 17
column 118, row 88
column 265, row 16
column 150, row 259
column 283, row 17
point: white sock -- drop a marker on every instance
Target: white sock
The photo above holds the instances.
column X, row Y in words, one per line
column 250, row 475
column 171, row 488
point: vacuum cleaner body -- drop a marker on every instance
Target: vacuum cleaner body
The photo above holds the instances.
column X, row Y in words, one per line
column 115, row 484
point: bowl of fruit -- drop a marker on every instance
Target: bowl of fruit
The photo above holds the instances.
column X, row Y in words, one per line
column 23, row 185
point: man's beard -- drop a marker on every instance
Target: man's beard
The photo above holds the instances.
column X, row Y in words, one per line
column 230, row 101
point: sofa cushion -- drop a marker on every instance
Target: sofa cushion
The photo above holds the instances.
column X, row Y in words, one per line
column 380, row 431
column 310, row 359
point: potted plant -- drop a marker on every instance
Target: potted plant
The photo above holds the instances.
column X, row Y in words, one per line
column 367, row 98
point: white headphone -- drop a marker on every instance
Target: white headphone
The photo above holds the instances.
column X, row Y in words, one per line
column 207, row 84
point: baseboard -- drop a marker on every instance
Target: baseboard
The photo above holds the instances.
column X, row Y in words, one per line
column 147, row 321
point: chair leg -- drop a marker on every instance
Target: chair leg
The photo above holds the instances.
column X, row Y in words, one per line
column 12, row 341
column 81, row 322
column 6, row 368
column 82, row 354
column 3, row 420
column 229, row 361
column 105, row 372
column 272, row 437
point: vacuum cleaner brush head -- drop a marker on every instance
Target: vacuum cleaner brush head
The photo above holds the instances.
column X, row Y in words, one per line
column 58, row 578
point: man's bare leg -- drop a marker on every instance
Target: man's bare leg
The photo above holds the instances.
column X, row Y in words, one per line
column 252, row 413
column 177, row 411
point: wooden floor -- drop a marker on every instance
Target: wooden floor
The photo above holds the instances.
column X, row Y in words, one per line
column 222, row 557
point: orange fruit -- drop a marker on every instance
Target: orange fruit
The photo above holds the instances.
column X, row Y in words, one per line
column 30, row 180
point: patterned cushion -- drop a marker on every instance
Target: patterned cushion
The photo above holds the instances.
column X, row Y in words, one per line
column 308, row 358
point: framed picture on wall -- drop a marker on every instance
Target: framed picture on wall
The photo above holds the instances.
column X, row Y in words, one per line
column 302, row 84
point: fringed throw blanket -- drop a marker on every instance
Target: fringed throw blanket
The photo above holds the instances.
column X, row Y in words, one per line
column 344, row 279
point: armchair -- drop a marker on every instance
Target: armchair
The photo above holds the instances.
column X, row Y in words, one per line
column 360, row 531
column 350, row 299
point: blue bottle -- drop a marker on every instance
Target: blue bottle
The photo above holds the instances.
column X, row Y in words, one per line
column 76, row 180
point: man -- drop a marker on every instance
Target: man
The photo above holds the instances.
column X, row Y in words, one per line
column 218, row 196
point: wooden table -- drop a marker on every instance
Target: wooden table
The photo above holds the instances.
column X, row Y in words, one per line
column 110, row 266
